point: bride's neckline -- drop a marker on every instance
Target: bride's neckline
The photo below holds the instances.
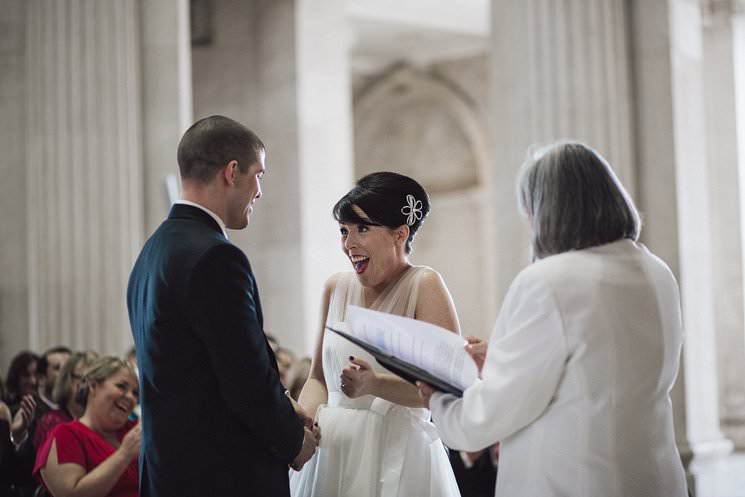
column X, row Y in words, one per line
column 370, row 303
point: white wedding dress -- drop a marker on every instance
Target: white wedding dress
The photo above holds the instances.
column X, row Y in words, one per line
column 371, row 447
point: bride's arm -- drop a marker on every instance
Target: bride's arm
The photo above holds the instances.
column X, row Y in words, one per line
column 314, row 392
column 434, row 305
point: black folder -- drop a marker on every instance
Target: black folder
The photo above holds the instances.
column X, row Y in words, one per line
column 404, row 369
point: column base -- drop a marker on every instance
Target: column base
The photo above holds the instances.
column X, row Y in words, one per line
column 734, row 429
column 710, row 472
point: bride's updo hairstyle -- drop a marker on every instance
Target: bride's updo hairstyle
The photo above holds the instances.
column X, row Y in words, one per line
column 389, row 199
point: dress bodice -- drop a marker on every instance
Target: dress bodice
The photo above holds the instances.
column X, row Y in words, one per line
column 372, row 447
column 399, row 298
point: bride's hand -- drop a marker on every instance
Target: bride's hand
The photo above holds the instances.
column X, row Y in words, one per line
column 358, row 378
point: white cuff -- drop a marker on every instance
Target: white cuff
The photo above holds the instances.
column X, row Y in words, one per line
column 467, row 463
column 17, row 443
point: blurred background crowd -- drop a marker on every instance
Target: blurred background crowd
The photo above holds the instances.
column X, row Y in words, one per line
column 43, row 390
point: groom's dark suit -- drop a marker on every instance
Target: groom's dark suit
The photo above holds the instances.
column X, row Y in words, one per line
column 215, row 418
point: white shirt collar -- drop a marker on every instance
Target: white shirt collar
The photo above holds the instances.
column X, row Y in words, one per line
column 212, row 214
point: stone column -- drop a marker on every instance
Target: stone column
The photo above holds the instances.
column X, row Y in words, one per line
column 83, row 163
column 166, row 97
column 656, row 163
column 720, row 63
column 13, row 235
column 560, row 69
column 695, row 231
column 305, row 121
column 673, row 150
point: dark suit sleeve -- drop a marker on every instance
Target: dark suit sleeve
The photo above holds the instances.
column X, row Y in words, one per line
column 224, row 310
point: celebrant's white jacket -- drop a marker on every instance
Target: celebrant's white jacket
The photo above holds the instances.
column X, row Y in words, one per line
column 577, row 378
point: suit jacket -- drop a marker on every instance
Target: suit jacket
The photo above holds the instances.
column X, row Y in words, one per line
column 214, row 415
column 577, row 378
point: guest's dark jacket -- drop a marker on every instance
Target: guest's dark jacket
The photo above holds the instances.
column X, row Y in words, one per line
column 215, row 418
column 15, row 465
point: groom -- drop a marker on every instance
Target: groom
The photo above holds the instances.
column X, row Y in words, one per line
column 215, row 418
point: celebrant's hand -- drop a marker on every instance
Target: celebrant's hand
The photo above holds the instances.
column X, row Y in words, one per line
column 476, row 348
column 425, row 392
column 358, row 378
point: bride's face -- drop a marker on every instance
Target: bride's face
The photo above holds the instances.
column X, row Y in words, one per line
column 375, row 252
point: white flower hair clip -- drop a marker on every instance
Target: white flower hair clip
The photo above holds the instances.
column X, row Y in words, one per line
column 412, row 209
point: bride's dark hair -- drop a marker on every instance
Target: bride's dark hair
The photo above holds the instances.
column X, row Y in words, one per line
column 389, row 199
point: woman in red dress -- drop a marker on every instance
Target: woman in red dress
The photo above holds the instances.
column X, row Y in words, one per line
column 96, row 454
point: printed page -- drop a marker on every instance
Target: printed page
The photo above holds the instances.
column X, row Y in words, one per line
column 424, row 345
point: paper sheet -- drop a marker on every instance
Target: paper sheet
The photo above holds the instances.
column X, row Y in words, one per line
column 425, row 345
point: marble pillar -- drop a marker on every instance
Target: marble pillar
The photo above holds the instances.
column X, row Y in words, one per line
column 656, row 164
column 14, row 314
column 305, row 122
column 166, row 99
column 720, row 91
column 673, row 149
column 735, row 426
column 695, row 230
column 560, row 70
column 84, row 170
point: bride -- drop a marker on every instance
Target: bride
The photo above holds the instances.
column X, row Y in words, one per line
column 377, row 438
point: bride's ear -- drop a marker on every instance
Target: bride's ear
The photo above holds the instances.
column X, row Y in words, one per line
column 402, row 233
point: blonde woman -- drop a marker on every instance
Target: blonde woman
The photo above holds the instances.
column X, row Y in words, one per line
column 96, row 454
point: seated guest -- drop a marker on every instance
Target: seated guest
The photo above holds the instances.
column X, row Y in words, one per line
column 131, row 358
column 64, row 395
column 15, row 471
column 6, row 449
column 21, row 392
column 48, row 370
column 475, row 472
column 273, row 343
column 22, row 378
column 285, row 359
column 297, row 375
column 97, row 454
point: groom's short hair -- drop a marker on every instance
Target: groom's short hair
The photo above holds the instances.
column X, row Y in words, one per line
column 210, row 143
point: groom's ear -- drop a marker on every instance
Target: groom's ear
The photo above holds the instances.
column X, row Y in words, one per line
column 229, row 172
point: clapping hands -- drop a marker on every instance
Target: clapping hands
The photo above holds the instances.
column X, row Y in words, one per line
column 23, row 417
column 130, row 445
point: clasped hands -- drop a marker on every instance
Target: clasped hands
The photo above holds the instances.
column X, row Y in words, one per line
column 476, row 348
column 311, row 438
